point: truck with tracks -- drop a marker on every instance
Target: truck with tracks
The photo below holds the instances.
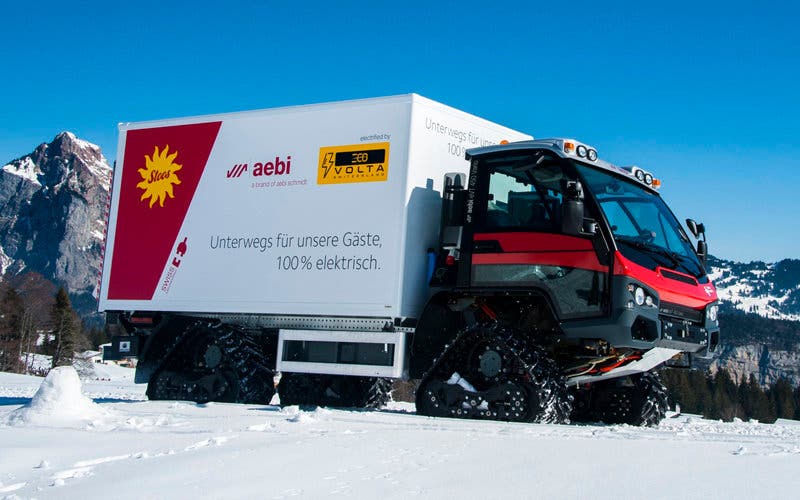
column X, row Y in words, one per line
column 344, row 245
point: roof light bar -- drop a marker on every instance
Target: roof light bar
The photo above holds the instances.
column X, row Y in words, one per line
column 644, row 177
column 580, row 150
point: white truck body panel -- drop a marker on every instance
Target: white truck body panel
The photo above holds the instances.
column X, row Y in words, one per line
column 224, row 225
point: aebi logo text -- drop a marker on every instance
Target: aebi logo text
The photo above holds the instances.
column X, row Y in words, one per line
column 259, row 169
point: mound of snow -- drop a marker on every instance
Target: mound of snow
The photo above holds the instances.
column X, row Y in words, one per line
column 58, row 402
column 296, row 415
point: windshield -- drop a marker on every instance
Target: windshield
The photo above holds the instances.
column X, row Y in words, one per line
column 645, row 230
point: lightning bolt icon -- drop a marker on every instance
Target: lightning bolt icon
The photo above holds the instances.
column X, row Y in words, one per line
column 328, row 163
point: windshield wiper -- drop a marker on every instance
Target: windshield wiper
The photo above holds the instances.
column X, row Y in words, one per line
column 675, row 259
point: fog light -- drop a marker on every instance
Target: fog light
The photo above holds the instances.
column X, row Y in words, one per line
column 649, row 301
column 639, row 296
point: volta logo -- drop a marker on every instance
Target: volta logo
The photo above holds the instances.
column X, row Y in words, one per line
column 159, row 176
column 354, row 163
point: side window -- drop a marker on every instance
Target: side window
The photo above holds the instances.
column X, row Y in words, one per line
column 516, row 203
column 498, row 210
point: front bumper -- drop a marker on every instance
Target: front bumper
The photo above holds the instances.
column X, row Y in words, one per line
column 644, row 327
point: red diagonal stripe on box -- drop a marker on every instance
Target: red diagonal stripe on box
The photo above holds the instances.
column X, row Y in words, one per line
column 145, row 236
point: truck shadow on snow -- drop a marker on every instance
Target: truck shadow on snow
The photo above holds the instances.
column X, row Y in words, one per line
column 9, row 401
column 115, row 400
column 18, row 401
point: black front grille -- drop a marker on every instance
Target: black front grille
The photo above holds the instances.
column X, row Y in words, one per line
column 678, row 277
column 681, row 312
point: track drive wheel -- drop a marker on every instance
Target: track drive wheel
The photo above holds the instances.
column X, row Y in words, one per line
column 639, row 400
column 491, row 372
column 214, row 363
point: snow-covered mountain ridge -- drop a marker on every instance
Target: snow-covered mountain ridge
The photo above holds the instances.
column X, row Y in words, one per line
column 771, row 290
column 760, row 319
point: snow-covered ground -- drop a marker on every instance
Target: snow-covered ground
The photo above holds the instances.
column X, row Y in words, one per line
column 58, row 443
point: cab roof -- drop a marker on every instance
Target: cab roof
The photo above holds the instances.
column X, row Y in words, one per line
column 557, row 146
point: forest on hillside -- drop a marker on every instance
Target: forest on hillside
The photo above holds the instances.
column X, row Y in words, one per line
column 38, row 318
column 719, row 397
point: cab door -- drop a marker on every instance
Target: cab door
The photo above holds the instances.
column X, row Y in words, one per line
column 517, row 242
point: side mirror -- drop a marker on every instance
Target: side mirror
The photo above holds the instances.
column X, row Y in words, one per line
column 699, row 230
column 572, row 209
column 702, row 251
column 692, row 225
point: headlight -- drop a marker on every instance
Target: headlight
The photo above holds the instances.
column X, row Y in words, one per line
column 639, row 296
column 712, row 312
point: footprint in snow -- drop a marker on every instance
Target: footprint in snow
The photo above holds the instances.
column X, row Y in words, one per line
column 60, row 477
column 261, row 427
column 11, row 487
column 98, row 461
column 215, row 441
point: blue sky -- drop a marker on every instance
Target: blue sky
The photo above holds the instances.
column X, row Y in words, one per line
column 704, row 94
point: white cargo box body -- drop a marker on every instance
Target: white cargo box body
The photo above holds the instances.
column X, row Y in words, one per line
column 324, row 210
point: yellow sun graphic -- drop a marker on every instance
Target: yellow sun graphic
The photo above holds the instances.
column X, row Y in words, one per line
column 158, row 176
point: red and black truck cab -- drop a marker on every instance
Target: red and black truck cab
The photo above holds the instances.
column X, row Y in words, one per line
column 595, row 240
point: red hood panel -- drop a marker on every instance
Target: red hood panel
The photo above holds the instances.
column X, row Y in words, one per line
column 669, row 290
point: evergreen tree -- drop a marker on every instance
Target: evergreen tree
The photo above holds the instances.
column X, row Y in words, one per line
column 702, row 384
column 725, row 404
column 689, row 389
column 96, row 337
column 744, row 398
column 781, row 397
column 797, row 404
column 758, row 401
column 66, row 330
column 720, row 397
column 11, row 312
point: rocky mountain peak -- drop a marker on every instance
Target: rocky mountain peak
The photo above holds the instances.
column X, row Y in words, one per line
column 53, row 213
column 66, row 159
